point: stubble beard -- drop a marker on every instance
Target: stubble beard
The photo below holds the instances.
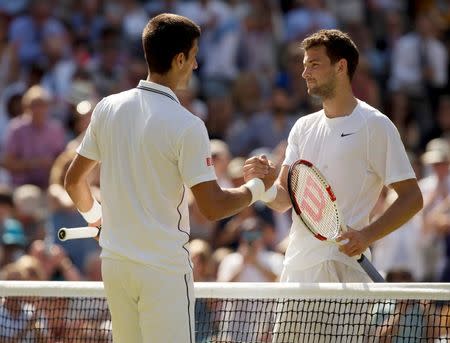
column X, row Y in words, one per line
column 325, row 91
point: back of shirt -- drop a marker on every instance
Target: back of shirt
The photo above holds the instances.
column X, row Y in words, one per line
column 149, row 147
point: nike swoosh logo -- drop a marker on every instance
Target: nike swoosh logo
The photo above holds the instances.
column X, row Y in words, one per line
column 347, row 134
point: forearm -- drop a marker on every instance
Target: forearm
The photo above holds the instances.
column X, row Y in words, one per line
column 282, row 201
column 81, row 195
column 228, row 202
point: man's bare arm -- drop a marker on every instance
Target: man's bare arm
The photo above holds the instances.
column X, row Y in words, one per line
column 216, row 203
column 408, row 203
column 76, row 183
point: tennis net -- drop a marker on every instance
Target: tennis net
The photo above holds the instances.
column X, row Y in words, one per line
column 240, row 312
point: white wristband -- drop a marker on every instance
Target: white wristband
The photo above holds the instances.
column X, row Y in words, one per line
column 257, row 188
column 94, row 214
column 270, row 194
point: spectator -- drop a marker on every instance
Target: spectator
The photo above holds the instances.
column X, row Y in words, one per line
column 16, row 312
column 267, row 129
column 435, row 189
column 252, row 262
column 201, row 257
column 9, row 66
column 189, row 99
column 6, row 205
column 220, row 159
column 308, row 16
column 56, row 264
column 235, row 171
column 86, row 23
column 287, row 79
column 106, row 68
column 33, row 141
column 13, row 241
column 31, row 210
column 28, row 31
column 92, row 270
column 419, row 71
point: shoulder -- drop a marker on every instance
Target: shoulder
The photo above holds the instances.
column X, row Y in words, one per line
column 113, row 102
column 308, row 120
column 374, row 117
column 19, row 123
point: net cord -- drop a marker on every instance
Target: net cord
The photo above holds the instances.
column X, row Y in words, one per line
column 245, row 290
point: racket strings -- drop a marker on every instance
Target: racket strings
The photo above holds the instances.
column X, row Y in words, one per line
column 318, row 211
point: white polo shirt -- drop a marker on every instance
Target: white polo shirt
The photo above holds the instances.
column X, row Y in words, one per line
column 357, row 154
column 150, row 148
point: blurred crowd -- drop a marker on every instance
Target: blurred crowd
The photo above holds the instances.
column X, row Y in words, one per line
column 58, row 58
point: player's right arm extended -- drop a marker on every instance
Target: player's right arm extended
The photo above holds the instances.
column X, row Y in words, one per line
column 277, row 199
column 216, row 203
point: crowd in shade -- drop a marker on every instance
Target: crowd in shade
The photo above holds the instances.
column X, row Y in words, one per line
column 58, row 58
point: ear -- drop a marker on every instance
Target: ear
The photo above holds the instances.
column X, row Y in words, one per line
column 179, row 60
column 342, row 65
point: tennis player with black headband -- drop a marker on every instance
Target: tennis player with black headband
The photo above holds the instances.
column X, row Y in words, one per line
column 151, row 148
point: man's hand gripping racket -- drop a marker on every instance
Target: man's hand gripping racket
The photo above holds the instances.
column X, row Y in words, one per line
column 315, row 203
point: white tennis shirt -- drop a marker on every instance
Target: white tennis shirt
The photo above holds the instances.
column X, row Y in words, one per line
column 357, row 154
column 150, row 148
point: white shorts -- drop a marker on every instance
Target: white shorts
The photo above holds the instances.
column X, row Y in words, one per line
column 148, row 305
column 328, row 271
column 319, row 320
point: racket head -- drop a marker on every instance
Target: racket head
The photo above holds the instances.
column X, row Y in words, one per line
column 314, row 201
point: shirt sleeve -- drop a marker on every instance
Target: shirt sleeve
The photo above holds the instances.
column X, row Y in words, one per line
column 195, row 161
column 89, row 147
column 387, row 154
column 292, row 153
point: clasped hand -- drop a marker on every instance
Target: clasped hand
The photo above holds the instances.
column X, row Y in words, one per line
column 260, row 167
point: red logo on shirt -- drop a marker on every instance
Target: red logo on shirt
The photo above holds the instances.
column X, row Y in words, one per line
column 209, row 162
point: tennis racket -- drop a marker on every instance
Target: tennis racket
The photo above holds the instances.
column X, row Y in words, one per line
column 65, row 233
column 315, row 203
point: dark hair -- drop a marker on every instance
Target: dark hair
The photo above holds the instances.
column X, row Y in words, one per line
column 337, row 44
column 165, row 36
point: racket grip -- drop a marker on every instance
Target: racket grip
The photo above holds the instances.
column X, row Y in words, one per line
column 345, row 241
column 65, row 234
column 370, row 269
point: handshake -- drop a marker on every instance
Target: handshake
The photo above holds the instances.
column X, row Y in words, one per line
column 260, row 175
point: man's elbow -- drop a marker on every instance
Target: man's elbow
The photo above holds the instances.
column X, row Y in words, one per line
column 70, row 183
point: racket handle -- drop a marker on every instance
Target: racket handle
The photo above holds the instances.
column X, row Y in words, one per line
column 345, row 241
column 65, row 234
column 370, row 269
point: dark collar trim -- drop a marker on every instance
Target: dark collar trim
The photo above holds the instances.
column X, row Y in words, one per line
column 157, row 91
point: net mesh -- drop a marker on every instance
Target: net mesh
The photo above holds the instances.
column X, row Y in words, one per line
column 417, row 314
column 319, row 213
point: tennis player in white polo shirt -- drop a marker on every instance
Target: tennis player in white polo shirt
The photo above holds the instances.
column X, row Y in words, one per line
column 359, row 151
column 151, row 149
